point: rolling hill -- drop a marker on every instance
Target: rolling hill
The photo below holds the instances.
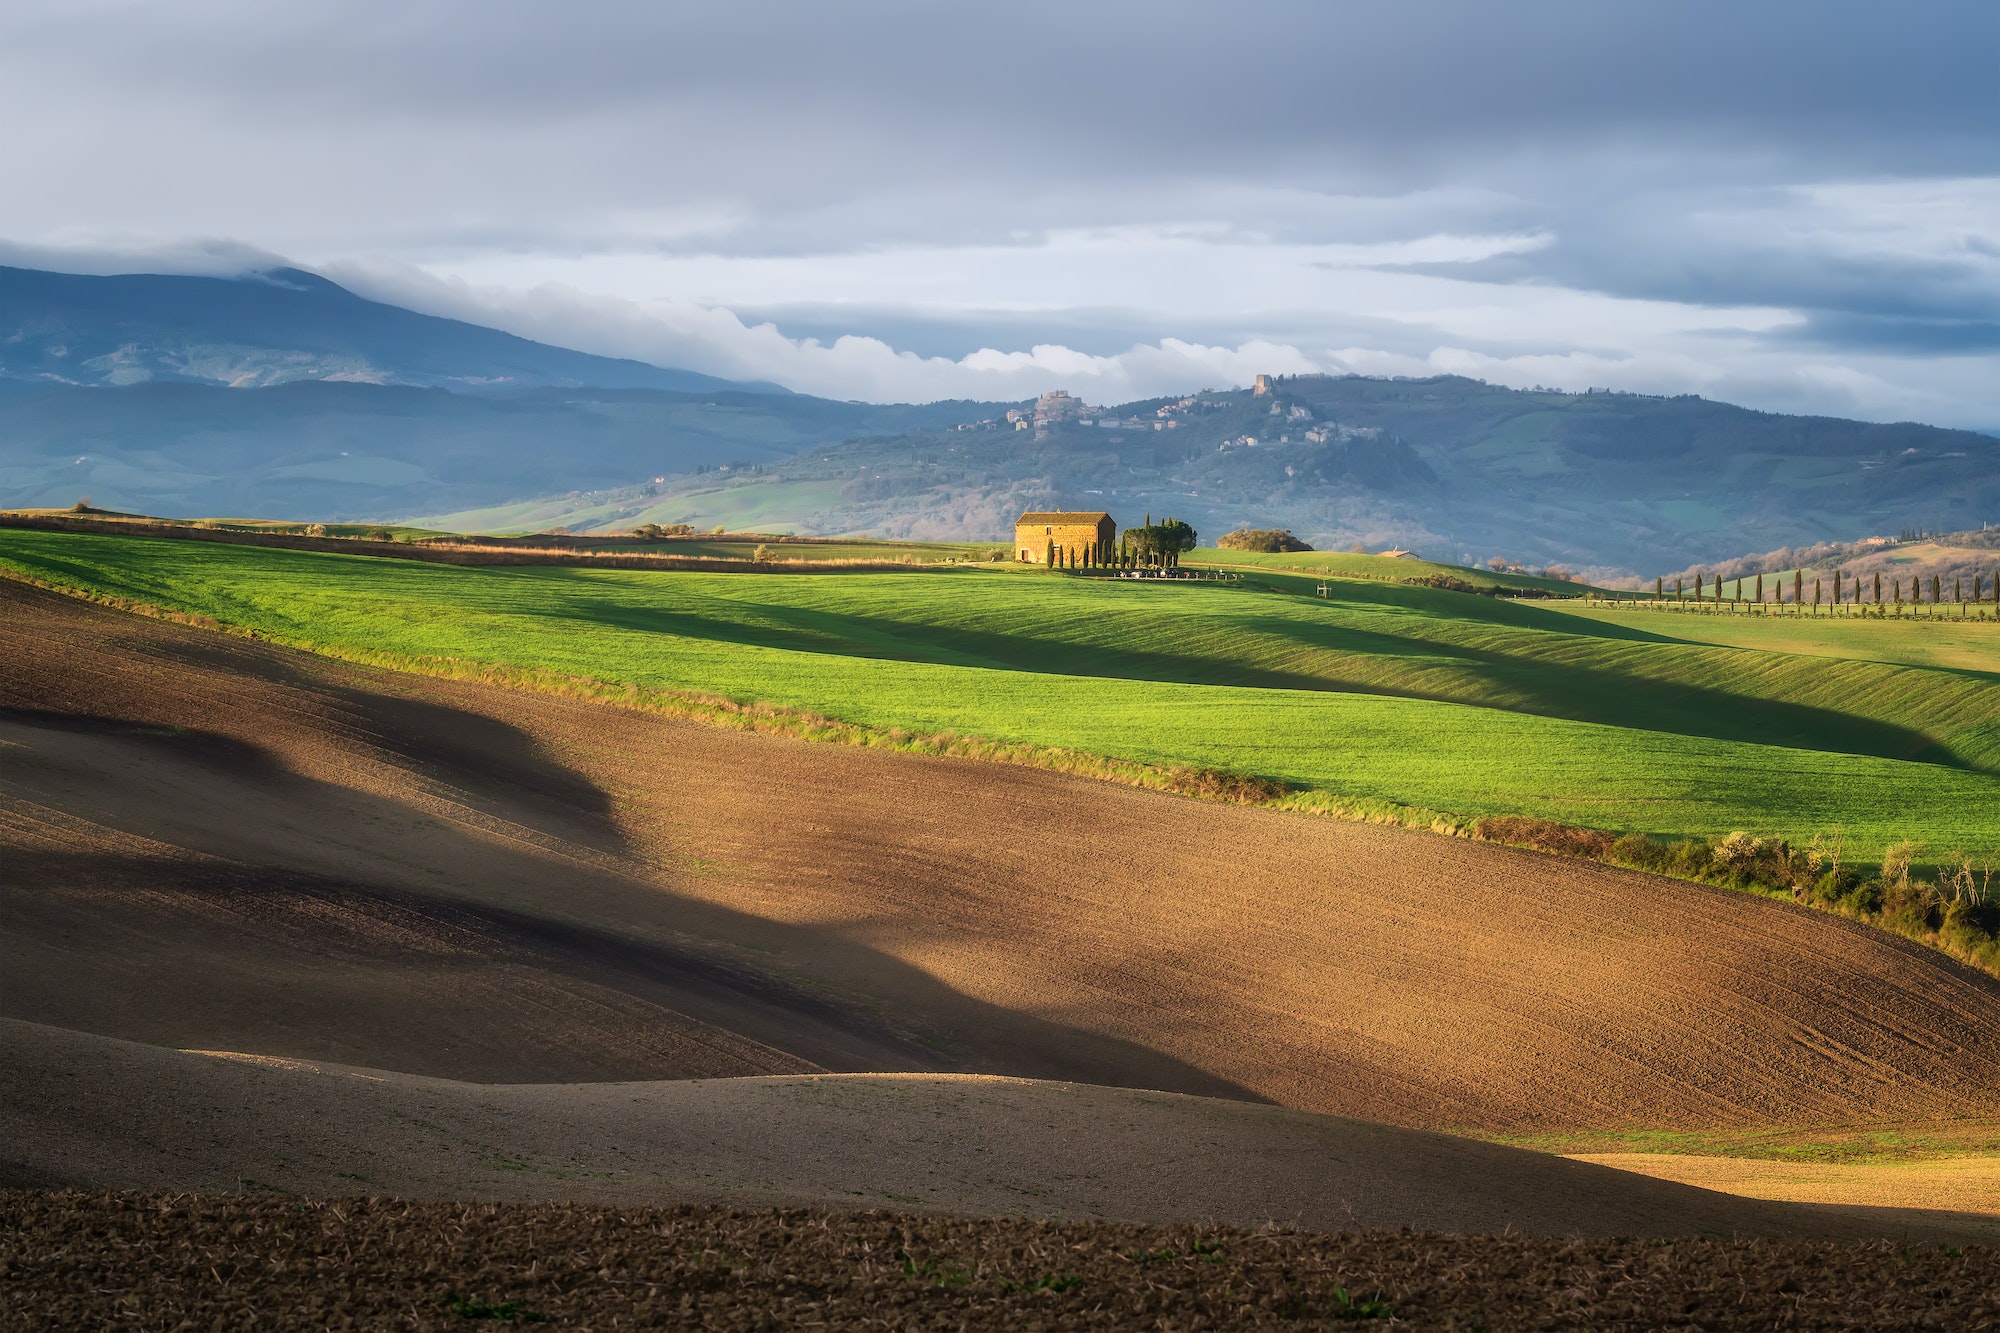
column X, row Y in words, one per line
column 1381, row 696
column 315, row 450
column 281, row 394
column 218, row 844
column 1454, row 468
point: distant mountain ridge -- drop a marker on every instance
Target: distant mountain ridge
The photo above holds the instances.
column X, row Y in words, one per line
column 284, row 395
column 278, row 326
column 1454, row 468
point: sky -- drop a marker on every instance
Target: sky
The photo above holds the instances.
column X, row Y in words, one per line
column 1792, row 204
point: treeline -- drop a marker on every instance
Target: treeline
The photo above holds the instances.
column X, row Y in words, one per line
column 1270, row 541
column 1845, row 590
column 1153, row 546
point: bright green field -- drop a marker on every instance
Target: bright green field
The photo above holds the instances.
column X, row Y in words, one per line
column 1354, row 564
column 1442, row 700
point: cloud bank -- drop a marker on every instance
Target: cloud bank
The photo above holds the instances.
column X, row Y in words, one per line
column 1794, row 204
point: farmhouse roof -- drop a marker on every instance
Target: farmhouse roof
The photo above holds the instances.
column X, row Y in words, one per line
column 1062, row 516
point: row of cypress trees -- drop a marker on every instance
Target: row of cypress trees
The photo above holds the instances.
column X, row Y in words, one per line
column 1852, row 592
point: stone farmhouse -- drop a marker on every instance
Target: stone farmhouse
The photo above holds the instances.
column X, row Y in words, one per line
column 1065, row 538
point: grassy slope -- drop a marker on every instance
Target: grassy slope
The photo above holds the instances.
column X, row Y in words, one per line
column 1943, row 642
column 775, row 506
column 1350, row 564
column 1413, row 695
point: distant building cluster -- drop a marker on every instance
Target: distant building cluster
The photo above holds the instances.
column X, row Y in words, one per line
column 1333, row 431
column 1060, row 407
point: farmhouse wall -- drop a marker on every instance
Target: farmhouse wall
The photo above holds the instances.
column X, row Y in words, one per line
column 1071, row 534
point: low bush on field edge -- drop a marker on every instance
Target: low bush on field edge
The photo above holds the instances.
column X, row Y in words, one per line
column 1954, row 910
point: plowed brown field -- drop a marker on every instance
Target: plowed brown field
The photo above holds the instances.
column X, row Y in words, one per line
column 77, row 1109
column 212, row 843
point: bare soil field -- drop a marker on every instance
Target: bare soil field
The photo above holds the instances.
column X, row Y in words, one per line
column 80, row 1110
column 1945, row 1184
column 210, row 843
column 163, row 1262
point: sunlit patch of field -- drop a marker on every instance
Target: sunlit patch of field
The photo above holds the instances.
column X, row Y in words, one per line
column 1415, row 696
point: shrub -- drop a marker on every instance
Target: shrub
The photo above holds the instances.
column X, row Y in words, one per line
column 82, row 505
column 1639, row 851
column 763, row 553
column 1544, row 835
column 1261, row 539
column 1453, row 584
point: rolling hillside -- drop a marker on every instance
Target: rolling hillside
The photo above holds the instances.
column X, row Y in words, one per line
column 1455, row 469
column 1382, row 697
column 314, row 450
column 223, row 845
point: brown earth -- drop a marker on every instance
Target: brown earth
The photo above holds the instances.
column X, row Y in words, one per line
column 171, row 1263
column 208, row 842
column 81, row 1110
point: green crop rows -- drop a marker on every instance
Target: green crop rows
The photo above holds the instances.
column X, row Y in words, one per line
column 1418, row 696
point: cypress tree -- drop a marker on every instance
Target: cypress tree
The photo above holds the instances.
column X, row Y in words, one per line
column 1878, row 587
column 1050, row 558
column 1798, row 587
column 1815, row 592
column 1677, row 590
column 1659, row 589
column 1957, row 595
column 1836, row 587
column 1936, row 595
column 1760, row 590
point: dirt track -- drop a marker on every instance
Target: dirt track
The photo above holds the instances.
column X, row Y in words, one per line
column 211, row 843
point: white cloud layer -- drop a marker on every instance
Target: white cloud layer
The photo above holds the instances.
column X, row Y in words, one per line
column 1794, row 205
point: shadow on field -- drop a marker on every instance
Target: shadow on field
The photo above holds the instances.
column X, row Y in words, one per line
column 1354, row 661
column 216, row 956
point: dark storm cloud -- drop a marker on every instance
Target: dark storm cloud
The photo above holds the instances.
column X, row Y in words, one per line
column 779, row 97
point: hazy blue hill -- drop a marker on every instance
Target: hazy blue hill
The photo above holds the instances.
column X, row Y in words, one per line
column 313, row 449
column 1451, row 467
column 273, row 328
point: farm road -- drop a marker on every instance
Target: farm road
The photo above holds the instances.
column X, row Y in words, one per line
column 211, row 843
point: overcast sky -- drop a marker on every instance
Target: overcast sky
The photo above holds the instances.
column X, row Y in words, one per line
column 1792, row 205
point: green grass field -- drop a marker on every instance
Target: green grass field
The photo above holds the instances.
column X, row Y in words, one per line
column 1441, row 700
column 1353, row 564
